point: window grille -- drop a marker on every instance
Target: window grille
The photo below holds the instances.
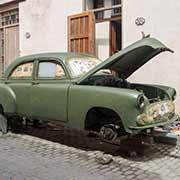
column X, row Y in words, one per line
column 9, row 17
column 99, row 4
column 103, row 11
column 117, row 11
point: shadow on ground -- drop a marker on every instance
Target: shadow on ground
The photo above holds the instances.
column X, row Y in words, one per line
column 131, row 149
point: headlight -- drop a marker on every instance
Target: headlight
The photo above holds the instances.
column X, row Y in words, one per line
column 157, row 112
column 140, row 101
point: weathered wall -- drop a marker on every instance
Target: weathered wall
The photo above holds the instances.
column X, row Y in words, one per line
column 46, row 21
column 162, row 22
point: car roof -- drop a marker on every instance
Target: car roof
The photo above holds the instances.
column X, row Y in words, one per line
column 60, row 56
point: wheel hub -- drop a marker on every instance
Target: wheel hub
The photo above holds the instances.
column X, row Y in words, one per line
column 108, row 132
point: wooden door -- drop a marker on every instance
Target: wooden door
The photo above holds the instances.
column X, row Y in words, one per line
column 115, row 36
column 81, row 33
column 11, row 44
column 1, row 52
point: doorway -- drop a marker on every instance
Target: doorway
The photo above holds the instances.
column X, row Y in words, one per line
column 81, row 33
column 115, row 36
column 11, row 44
column 9, row 34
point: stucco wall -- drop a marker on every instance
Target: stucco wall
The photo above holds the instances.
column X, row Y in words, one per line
column 46, row 22
column 162, row 22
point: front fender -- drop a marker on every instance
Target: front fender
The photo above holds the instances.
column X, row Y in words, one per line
column 7, row 99
column 82, row 98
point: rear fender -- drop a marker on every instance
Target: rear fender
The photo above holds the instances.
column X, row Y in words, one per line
column 7, row 99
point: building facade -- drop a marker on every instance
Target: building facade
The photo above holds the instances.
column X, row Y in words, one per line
column 99, row 27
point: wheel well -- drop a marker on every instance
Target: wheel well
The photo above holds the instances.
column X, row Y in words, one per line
column 96, row 117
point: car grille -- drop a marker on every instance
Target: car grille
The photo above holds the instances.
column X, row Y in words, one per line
column 157, row 112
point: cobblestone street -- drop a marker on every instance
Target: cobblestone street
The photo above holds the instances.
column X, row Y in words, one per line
column 26, row 157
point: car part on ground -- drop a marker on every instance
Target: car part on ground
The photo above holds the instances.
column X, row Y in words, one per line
column 104, row 159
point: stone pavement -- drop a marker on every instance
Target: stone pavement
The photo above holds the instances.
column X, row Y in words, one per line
column 26, row 157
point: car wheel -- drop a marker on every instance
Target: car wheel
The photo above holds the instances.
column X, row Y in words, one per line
column 15, row 124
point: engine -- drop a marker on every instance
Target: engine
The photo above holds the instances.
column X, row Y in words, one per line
column 110, row 81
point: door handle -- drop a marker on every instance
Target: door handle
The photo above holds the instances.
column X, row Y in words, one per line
column 35, row 83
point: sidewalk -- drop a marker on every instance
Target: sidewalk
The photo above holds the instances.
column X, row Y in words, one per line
column 26, row 157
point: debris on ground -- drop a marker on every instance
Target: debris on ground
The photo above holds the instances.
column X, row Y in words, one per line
column 175, row 128
column 104, row 159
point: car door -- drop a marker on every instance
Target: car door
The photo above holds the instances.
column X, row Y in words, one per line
column 20, row 81
column 49, row 91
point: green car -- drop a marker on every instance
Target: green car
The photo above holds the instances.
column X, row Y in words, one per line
column 83, row 92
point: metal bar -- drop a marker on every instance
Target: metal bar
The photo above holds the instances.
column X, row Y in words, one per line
column 10, row 25
column 105, row 9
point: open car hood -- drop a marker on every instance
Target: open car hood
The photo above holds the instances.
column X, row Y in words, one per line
column 128, row 60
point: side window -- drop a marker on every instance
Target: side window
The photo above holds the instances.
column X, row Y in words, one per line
column 50, row 70
column 23, row 71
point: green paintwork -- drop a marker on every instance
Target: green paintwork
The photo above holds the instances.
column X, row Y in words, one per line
column 61, row 57
column 69, row 100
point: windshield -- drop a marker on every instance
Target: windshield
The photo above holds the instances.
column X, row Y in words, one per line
column 80, row 66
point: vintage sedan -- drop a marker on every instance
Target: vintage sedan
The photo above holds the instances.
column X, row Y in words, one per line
column 83, row 92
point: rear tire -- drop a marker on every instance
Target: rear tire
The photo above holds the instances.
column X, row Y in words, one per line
column 3, row 124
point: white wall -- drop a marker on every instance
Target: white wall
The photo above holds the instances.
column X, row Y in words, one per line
column 162, row 22
column 102, row 40
column 5, row 1
column 46, row 21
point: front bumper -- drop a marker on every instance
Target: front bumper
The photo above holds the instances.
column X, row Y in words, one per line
column 156, row 114
column 161, row 123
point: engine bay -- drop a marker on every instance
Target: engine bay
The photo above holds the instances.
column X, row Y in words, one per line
column 153, row 94
column 109, row 81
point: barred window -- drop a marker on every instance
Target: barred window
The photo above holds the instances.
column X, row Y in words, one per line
column 99, row 4
column 116, row 11
column 9, row 17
